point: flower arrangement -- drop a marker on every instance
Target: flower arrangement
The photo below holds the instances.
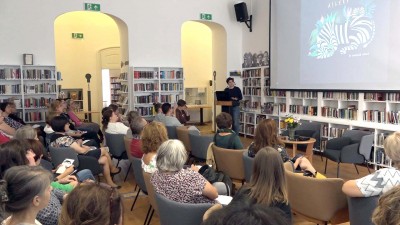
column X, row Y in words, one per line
column 291, row 122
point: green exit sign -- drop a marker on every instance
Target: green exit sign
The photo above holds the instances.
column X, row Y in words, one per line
column 77, row 35
column 92, row 7
column 205, row 16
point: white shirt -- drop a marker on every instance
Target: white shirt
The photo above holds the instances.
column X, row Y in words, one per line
column 116, row 128
column 379, row 182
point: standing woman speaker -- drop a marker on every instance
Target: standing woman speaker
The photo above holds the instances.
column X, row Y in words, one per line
column 235, row 94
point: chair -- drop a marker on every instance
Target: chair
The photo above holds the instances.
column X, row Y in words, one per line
column 172, row 134
column 177, row 213
column 183, row 135
column 127, row 142
column 199, row 145
column 361, row 209
column 230, row 162
column 320, row 201
column 248, row 166
column 151, row 194
column 353, row 147
column 115, row 143
column 137, row 171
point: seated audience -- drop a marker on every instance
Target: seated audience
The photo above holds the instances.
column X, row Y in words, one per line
column 6, row 109
column 387, row 211
column 136, row 126
column 381, row 180
column 181, row 112
column 159, row 117
column 24, row 191
column 131, row 116
column 153, row 135
column 92, row 204
column 85, row 126
column 14, row 114
column 176, row 183
column 169, row 119
column 5, row 129
column 111, row 123
column 26, row 132
column 61, row 139
column 115, row 109
column 254, row 214
column 266, row 135
column 225, row 136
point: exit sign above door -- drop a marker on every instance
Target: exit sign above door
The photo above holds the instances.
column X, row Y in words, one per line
column 77, row 35
column 205, row 16
column 92, row 7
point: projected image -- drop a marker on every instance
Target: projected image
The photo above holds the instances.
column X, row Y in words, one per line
column 343, row 30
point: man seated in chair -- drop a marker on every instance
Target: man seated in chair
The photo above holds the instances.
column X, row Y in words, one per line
column 382, row 180
column 169, row 119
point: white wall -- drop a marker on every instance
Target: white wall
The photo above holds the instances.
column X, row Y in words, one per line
column 154, row 27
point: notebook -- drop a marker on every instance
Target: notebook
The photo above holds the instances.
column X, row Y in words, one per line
column 222, row 96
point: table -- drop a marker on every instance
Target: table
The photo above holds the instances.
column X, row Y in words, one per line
column 309, row 143
column 201, row 107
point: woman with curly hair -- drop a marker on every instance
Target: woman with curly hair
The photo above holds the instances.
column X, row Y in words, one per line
column 111, row 122
column 153, row 135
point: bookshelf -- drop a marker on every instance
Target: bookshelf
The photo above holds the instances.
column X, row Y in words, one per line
column 122, row 94
column 75, row 94
column 31, row 88
column 115, row 86
column 155, row 84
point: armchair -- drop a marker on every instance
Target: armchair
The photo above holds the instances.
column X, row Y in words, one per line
column 308, row 129
column 353, row 147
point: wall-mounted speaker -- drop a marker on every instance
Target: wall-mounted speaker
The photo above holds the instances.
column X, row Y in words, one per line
column 241, row 12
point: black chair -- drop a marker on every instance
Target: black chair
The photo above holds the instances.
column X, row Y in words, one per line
column 248, row 166
column 199, row 145
column 139, row 179
column 172, row 133
column 353, row 147
column 116, row 144
column 361, row 209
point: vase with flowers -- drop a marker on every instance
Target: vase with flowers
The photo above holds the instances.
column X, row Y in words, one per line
column 291, row 123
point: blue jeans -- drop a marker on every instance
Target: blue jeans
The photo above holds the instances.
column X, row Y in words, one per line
column 235, row 113
column 85, row 175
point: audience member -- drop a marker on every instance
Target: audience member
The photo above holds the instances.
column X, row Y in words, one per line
column 92, row 204
column 136, row 126
column 26, row 132
column 153, row 135
column 169, row 119
column 14, row 114
column 266, row 134
column 5, row 131
column 131, row 116
column 115, row 109
column 111, row 123
column 24, row 191
column 181, row 112
column 176, row 183
column 159, row 117
column 225, row 136
column 6, row 109
column 61, row 139
column 381, row 180
column 387, row 211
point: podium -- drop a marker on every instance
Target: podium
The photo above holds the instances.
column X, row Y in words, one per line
column 224, row 104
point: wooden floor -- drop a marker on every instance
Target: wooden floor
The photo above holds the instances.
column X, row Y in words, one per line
column 138, row 214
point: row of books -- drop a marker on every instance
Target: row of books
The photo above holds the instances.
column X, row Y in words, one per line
column 123, row 76
column 381, row 157
column 381, row 139
column 267, row 82
column 124, row 88
column 260, row 118
column 248, row 105
column 10, row 74
column 303, row 109
column 255, row 82
column 267, row 91
column 250, row 129
column 35, row 116
column 393, row 96
column 40, row 88
column 145, row 74
column 115, row 86
column 303, row 94
column 171, row 74
column 144, row 111
column 38, row 74
column 146, row 87
column 146, row 98
column 10, row 89
column 333, row 132
column 249, row 118
column 251, row 73
column 374, row 116
column 172, row 86
column 377, row 96
column 37, row 102
column 170, row 98
column 123, row 99
column 348, row 113
column 340, row 95
column 256, row 91
column 278, row 93
column 393, row 117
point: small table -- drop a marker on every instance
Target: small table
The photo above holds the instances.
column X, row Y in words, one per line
column 309, row 143
column 201, row 107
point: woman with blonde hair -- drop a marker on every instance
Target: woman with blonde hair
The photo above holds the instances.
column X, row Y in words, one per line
column 266, row 135
column 382, row 180
column 387, row 211
column 153, row 135
column 92, row 204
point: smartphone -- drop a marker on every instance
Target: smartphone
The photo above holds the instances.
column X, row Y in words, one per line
column 73, row 172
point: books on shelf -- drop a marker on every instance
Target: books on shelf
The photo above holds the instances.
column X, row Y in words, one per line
column 171, row 74
column 145, row 74
column 377, row 96
column 303, row 109
column 10, row 89
column 340, row 95
column 40, row 88
column 145, row 111
column 146, row 87
column 10, row 74
column 39, row 74
column 171, row 86
column 374, row 116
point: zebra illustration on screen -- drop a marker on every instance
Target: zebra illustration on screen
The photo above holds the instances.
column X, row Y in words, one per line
column 346, row 30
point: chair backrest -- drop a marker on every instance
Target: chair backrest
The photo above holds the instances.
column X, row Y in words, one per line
column 115, row 143
column 288, row 166
column 319, row 200
column 127, row 143
column 59, row 154
column 137, row 171
column 172, row 134
column 199, row 145
column 229, row 161
column 177, row 213
column 248, row 166
column 150, row 190
column 361, row 209
column 355, row 135
column 183, row 135
column 366, row 145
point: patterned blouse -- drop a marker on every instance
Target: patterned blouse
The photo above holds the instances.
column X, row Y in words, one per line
column 185, row 186
column 152, row 167
column 379, row 182
column 62, row 141
column 50, row 214
column 12, row 123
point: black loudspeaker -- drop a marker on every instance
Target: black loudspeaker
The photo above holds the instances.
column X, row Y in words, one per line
column 241, row 12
